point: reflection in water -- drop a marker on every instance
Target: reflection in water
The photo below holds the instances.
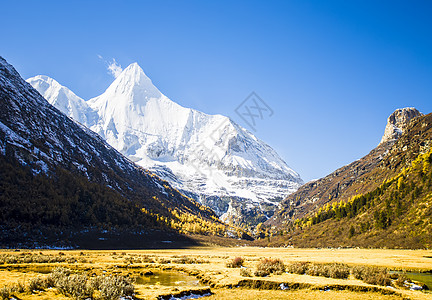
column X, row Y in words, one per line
column 425, row 278
column 168, row 278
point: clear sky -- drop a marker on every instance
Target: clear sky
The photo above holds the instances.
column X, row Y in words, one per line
column 332, row 71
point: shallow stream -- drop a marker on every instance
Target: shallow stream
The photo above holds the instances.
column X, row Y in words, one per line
column 425, row 278
column 168, row 278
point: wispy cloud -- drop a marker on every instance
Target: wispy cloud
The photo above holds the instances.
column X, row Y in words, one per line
column 113, row 67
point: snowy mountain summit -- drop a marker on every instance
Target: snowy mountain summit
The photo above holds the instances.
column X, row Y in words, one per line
column 208, row 157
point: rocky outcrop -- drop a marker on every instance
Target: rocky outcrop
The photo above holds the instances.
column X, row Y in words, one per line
column 397, row 123
column 348, row 180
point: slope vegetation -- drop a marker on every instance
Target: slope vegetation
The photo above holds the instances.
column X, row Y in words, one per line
column 387, row 202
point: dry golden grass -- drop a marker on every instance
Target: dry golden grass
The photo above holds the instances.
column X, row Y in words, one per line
column 303, row 294
column 213, row 270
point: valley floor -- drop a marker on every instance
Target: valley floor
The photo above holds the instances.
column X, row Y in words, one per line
column 208, row 264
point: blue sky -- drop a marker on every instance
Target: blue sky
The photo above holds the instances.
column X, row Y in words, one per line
column 332, row 71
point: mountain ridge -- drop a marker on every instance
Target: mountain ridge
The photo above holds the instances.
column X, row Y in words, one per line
column 208, row 157
column 318, row 192
column 62, row 180
column 381, row 200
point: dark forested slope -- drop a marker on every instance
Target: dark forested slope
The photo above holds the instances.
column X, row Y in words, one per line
column 60, row 182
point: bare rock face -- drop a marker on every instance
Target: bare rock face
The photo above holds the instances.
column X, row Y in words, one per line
column 397, row 122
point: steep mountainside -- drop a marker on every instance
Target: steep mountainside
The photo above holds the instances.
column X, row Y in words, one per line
column 349, row 180
column 61, row 182
column 398, row 122
column 209, row 157
column 65, row 100
column 382, row 200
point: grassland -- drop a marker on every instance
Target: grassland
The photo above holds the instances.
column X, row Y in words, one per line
column 209, row 265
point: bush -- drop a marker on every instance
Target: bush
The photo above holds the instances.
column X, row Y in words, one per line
column 57, row 278
column 237, row 262
column 269, row 266
column 96, row 282
column 164, row 261
column 334, row 270
column 28, row 258
column 358, row 272
column 5, row 293
column 337, row 270
column 36, row 284
column 372, row 275
column 400, row 281
column 19, row 287
column 147, row 259
column 113, row 287
column 317, row 270
column 378, row 276
column 79, row 286
column 245, row 272
column 298, row 268
column 187, row 260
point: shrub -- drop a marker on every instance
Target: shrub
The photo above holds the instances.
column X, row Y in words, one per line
column 5, row 293
column 245, row 272
column 36, row 284
column 400, row 281
column 77, row 287
column 96, row 282
column 113, row 287
column 337, row 270
column 236, row 262
column 57, row 277
column 11, row 260
column 187, row 260
column 298, row 268
column 314, row 269
column 147, row 259
column 29, row 258
column 358, row 272
column 19, row 287
column 376, row 276
column 164, row 261
column 269, row 266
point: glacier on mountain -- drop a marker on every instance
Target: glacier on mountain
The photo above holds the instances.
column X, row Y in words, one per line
column 208, row 157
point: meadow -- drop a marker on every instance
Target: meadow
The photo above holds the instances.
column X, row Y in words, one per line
column 215, row 272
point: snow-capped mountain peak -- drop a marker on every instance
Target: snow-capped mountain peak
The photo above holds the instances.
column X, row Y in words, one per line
column 206, row 156
column 134, row 82
column 64, row 99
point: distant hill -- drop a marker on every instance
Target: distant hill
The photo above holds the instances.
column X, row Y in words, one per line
column 382, row 200
column 62, row 185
